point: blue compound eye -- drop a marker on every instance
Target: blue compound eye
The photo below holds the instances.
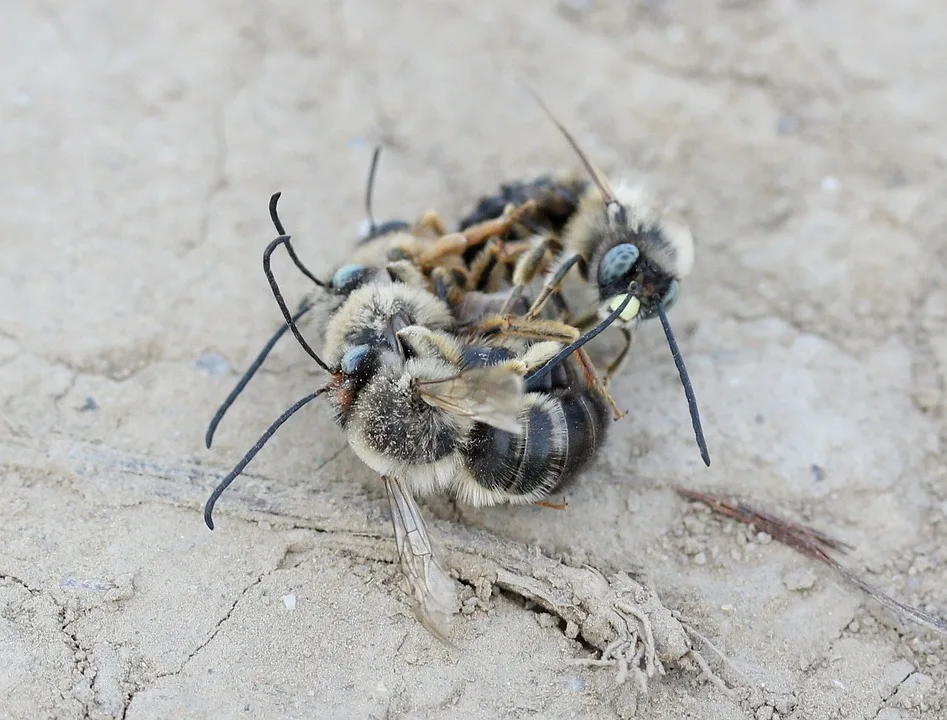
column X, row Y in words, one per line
column 349, row 277
column 357, row 360
column 670, row 297
column 617, row 263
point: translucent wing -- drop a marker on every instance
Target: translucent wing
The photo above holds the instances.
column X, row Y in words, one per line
column 430, row 586
column 490, row 395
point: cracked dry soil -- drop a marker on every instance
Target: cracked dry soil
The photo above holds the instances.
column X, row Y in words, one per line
column 804, row 141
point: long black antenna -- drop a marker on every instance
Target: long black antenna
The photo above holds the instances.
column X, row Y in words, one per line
column 369, row 189
column 232, row 475
column 248, row 375
column 561, row 356
column 274, row 216
column 284, row 240
column 686, row 382
column 608, row 196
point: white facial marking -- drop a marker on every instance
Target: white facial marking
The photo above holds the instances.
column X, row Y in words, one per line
column 631, row 309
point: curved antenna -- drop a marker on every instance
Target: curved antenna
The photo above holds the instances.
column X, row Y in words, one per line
column 274, row 216
column 284, row 240
column 688, row 388
column 608, row 196
column 369, row 190
column 245, row 460
column 248, row 375
column 563, row 354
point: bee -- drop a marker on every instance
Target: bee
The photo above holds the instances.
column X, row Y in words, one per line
column 432, row 412
column 621, row 241
column 424, row 254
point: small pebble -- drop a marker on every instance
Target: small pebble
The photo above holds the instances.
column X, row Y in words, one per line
column 764, row 712
column 830, row 184
column 817, row 472
column 802, row 579
column 572, row 630
column 289, row 601
column 546, row 620
column 784, row 704
column 700, row 558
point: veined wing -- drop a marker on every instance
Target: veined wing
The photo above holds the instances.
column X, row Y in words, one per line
column 431, row 587
column 490, row 395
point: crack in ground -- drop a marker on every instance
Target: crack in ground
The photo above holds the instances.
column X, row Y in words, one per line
column 83, row 670
column 279, row 567
column 894, row 691
column 22, row 583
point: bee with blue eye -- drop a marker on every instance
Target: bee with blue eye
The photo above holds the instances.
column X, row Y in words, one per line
column 422, row 255
column 431, row 413
column 634, row 252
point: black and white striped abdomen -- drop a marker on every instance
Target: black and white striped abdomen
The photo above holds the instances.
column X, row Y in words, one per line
column 561, row 432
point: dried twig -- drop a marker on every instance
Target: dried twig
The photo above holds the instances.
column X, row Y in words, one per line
column 813, row 544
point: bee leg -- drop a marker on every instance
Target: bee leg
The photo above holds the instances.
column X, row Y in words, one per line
column 527, row 267
column 484, row 264
column 514, row 326
column 444, row 246
column 481, row 232
column 552, row 284
column 562, row 308
column 596, row 384
column 447, row 286
column 551, row 506
column 615, row 366
column 431, row 221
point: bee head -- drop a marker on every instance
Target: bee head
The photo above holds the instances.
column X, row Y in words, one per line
column 625, row 270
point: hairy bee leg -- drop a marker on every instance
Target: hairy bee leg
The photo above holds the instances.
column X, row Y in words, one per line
column 481, row 232
column 527, row 267
column 514, row 326
column 457, row 243
column 596, row 384
column 484, row 264
column 431, row 221
column 551, row 505
column 552, row 284
column 444, row 246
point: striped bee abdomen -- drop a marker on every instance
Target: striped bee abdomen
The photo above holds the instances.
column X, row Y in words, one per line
column 561, row 432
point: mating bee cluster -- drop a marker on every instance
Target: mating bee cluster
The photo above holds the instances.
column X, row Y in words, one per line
column 455, row 362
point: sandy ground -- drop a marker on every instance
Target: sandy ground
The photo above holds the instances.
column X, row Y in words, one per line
column 806, row 143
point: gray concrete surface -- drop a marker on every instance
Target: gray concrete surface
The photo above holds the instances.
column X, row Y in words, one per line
column 805, row 141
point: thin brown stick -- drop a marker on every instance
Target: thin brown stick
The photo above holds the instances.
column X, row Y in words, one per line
column 813, row 544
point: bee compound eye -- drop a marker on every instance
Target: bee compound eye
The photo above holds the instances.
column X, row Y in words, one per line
column 358, row 360
column 349, row 277
column 617, row 263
